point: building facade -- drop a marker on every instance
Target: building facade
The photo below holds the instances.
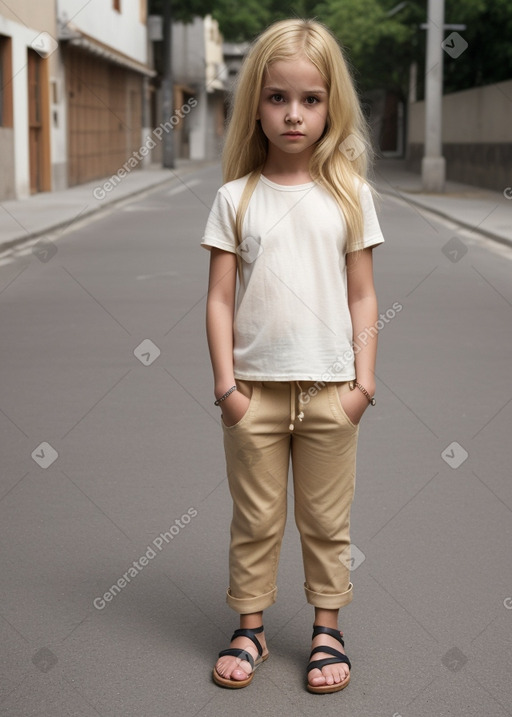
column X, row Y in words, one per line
column 27, row 64
column 103, row 54
column 79, row 97
column 73, row 92
column 200, row 73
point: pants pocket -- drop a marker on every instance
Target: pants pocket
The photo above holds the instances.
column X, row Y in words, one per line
column 339, row 389
column 247, row 389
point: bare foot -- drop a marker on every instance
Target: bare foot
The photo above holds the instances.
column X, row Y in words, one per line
column 233, row 668
column 330, row 674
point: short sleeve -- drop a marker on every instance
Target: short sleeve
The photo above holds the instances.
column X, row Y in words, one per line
column 372, row 233
column 220, row 227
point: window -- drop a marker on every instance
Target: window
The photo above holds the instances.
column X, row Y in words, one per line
column 5, row 81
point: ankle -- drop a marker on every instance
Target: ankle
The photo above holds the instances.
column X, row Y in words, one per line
column 251, row 621
column 326, row 618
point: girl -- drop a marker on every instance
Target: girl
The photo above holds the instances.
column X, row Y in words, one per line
column 296, row 222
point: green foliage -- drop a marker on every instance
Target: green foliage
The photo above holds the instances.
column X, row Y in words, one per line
column 380, row 37
column 379, row 45
column 488, row 57
column 182, row 10
column 240, row 22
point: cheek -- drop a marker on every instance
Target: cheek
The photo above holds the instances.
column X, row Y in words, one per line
column 268, row 114
column 324, row 118
column 317, row 117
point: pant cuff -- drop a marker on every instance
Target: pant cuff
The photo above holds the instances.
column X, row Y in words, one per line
column 329, row 602
column 246, row 605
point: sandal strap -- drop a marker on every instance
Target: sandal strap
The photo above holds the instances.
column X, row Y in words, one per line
column 238, row 652
column 320, row 630
column 337, row 656
column 340, row 657
column 318, row 664
column 248, row 632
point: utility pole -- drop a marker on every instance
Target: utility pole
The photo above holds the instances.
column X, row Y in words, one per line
column 167, row 85
column 433, row 165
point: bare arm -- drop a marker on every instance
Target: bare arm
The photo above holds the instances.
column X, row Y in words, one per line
column 220, row 309
column 362, row 303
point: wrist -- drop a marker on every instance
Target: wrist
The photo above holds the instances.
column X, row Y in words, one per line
column 224, row 396
column 222, row 385
column 367, row 391
column 368, row 382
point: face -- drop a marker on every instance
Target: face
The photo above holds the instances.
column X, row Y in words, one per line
column 293, row 106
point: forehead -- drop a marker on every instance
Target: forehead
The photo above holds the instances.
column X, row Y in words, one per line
column 297, row 73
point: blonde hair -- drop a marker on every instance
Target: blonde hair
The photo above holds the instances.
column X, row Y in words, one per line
column 332, row 164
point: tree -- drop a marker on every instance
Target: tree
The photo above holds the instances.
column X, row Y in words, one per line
column 240, row 22
column 488, row 57
column 379, row 45
column 381, row 37
column 182, row 10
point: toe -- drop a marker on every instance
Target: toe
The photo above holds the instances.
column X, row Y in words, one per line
column 329, row 677
column 239, row 674
column 221, row 668
column 233, row 669
column 241, row 671
column 316, row 678
column 340, row 675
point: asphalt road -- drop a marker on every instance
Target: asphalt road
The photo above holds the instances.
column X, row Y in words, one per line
column 113, row 475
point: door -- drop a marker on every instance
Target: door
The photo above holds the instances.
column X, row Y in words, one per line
column 38, row 132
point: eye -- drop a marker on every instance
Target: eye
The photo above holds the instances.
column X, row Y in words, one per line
column 312, row 100
column 276, row 97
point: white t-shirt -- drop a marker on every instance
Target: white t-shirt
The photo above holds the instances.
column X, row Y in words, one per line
column 292, row 320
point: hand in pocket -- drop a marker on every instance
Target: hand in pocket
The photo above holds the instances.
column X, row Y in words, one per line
column 234, row 408
column 354, row 404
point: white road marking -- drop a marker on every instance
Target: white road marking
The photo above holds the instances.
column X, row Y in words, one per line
column 160, row 273
column 182, row 187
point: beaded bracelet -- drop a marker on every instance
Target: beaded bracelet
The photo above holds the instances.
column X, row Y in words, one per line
column 222, row 398
column 371, row 399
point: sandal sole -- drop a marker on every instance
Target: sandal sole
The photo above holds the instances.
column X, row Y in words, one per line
column 328, row 689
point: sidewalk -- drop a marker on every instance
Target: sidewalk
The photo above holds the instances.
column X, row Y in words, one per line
column 49, row 212
column 483, row 210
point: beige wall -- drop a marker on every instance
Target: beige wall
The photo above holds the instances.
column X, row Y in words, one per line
column 39, row 14
column 477, row 136
column 479, row 115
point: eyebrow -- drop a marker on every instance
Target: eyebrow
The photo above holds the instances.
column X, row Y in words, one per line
column 306, row 92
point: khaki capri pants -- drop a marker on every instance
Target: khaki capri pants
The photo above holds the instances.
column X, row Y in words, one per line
column 304, row 420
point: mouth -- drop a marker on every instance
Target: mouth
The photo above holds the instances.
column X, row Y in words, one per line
column 293, row 134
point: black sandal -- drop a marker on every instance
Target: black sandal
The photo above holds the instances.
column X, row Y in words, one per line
column 336, row 658
column 243, row 655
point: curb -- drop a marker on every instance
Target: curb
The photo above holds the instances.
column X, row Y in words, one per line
column 101, row 208
column 444, row 215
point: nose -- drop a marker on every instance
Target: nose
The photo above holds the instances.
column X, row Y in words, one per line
column 294, row 116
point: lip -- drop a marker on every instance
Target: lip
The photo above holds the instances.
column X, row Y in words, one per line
column 293, row 134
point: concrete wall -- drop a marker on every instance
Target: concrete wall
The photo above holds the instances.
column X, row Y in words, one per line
column 7, row 163
column 58, row 123
column 477, row 135
column 198, row 64
column 125, row 31
column 40, row 14
column 188, row 52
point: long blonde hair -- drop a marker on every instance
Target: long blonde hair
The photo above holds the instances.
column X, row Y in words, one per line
column 340, row 157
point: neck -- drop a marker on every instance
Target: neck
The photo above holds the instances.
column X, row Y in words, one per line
column 289, row 168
